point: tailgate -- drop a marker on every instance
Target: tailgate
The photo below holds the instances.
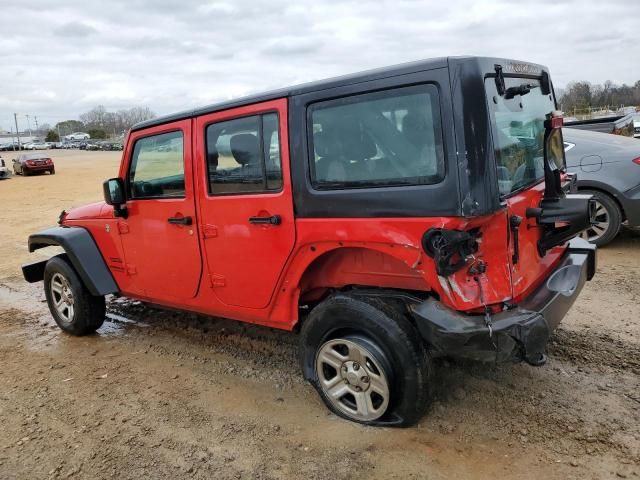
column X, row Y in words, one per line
column 528, row 268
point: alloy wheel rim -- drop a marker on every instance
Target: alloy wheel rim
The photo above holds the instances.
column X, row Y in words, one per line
column 352, row 379
column 62, row 296
column 601, row 225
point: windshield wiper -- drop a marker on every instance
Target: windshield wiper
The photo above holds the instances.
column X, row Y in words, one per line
column 519, row 90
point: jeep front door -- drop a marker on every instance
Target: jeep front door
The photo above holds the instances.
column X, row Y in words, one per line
column 159, row 239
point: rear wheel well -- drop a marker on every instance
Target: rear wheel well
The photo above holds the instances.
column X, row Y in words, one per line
column 360, row 271
column 398, row 299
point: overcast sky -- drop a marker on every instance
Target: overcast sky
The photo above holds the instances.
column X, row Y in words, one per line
column 59, row 59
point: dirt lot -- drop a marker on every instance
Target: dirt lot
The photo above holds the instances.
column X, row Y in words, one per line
column 157, row 394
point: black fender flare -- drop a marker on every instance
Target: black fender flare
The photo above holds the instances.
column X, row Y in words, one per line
column 82, row 252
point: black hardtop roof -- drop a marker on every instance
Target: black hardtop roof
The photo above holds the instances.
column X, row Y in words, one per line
column 353, row 78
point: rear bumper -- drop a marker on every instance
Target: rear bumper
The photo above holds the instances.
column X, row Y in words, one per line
column 520, row 333
column 38, row 168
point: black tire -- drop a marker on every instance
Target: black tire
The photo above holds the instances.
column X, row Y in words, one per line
column 394, row 342
column 24, row 173
column 52, row 171
column 88, row 310
column 614, row 215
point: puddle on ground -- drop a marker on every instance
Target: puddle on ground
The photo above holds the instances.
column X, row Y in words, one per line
column 40, row 331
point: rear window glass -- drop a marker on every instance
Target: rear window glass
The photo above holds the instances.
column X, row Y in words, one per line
column 518, row 133
column 34, row 156
column 387, row 138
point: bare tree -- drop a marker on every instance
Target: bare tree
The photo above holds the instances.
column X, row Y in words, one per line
column 583, row 96
column 115, row 123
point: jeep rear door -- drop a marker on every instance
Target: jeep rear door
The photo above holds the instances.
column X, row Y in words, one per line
column 517, row 126
column 162, row 252
column 245, row 201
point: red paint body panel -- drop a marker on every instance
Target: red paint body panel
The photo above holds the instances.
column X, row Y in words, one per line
column 245, row 260
column 91, row 211
column 105, row 233
column 531, row 267
column 163, row 261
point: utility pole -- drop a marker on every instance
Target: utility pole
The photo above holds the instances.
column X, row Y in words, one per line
column 15, row 118
column 36, row 119
column 29, row 125
column 58, row 127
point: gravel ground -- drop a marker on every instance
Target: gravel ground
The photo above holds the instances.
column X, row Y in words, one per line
column 161, row 394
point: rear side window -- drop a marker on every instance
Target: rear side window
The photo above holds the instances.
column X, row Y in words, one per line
column 387, row 138
column 157, row 167
column 243, row 155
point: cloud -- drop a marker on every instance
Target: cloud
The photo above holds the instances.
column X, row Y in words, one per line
column 292, row 46
column 177, row 54
column 74, row 29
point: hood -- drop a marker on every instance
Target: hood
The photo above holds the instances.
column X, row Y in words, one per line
column 92, row 210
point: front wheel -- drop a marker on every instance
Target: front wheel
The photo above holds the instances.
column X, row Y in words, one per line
column 366, row 360
column 73, row 308
column 608, row 219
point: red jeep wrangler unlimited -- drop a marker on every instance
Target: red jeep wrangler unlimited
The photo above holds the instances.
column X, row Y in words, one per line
column 391, row 216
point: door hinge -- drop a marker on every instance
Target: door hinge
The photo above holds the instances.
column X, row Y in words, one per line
column 131, row 270
column 123, row 227
column 217, row 281
column 209, row 231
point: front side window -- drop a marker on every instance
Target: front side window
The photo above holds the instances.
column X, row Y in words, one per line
column 518, row 132
column 157, row 166
column 387, row 138
column 243, row 155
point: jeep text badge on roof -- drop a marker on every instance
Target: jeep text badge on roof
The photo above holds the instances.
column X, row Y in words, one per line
column 389, row 217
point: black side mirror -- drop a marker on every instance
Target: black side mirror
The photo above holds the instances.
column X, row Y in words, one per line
column 114, row 195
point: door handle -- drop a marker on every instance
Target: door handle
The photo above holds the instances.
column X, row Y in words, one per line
column 514, row 225
column 180, row 220
column 272, row 220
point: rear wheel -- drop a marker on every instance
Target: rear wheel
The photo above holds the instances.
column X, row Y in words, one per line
column 366, row 360
column 73, row 308
column 608, row 218
column 24, row 172
column 52, row 171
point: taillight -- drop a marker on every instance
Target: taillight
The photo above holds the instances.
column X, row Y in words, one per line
column 30, row 162
column 49, row 161
column 636, row 161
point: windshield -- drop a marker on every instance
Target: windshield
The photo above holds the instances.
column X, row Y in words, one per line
column 518, row 131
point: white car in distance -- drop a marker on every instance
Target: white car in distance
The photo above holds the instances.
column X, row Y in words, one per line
column 77, row 136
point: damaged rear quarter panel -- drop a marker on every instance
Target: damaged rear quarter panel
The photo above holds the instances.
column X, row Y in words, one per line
column 399, row 238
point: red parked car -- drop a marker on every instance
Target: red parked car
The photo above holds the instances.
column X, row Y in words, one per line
column 363, row 212
column 30, row 163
